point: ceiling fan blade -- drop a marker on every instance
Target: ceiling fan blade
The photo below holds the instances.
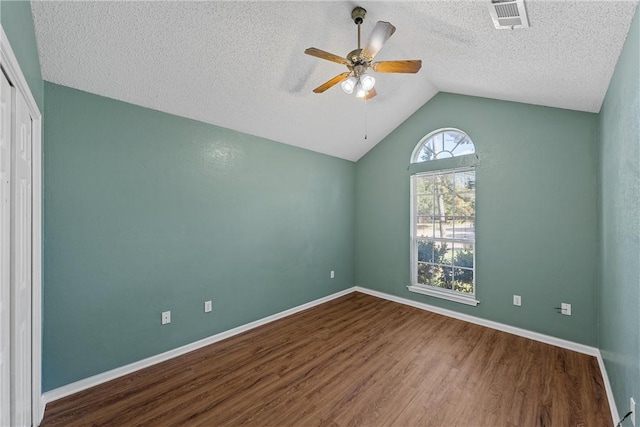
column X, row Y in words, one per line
column 380, row 34
column 405, row 66
column 370, row 94
column 325, row 55
column 334, row 81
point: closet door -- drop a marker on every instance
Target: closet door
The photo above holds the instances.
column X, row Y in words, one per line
column 21, row 264
column 5, row 277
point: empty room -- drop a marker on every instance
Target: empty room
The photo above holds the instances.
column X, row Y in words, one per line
column 300, row 213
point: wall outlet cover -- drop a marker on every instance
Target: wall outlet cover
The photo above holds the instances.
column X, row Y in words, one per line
column 517, row 300
column 166, row 317
column 632, row 408
column 565, row 309
column 208, row 306
column 333, row 274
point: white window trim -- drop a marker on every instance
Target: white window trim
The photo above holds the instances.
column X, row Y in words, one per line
column 444, row 294
column 426, row 289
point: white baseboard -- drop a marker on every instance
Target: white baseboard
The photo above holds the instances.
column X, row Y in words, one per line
column 95, row 380
column 547, row 339
column 615, row 415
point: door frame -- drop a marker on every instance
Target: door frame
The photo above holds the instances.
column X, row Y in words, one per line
column 9, row 64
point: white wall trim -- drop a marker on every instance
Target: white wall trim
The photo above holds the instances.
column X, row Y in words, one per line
column 615, row 415
column 10, row 64
column 95, row 380
column 450, row 296
column 547, row 339
column 12, row 67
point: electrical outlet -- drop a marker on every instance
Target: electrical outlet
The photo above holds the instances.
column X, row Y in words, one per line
column 333, row 274
column 208, row 306
column 632, row 409
column 166, row 317
column 565, row 309
column 517, row 300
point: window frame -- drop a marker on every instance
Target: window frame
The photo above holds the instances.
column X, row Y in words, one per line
column 459, row 164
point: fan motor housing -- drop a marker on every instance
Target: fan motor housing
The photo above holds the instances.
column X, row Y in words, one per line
column 354, row 57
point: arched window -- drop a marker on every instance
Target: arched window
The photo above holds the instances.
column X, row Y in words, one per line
column 443, row 212
column 442, row 144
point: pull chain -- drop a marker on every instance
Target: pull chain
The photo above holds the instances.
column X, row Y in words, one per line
column 365, row 117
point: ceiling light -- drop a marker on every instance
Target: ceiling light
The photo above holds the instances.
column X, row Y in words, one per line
column 367, row 82
column 360, row 90
column 349, row 84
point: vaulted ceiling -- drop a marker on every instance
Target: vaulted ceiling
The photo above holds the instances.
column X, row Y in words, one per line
column 241, row 65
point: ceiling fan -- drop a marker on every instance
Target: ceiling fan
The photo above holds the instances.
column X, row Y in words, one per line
column 358, row 61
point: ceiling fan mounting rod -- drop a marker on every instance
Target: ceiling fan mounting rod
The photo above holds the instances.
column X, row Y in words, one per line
column 357, row 14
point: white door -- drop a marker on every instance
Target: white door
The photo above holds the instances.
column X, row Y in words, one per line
column 5, row 215
column 21, row 264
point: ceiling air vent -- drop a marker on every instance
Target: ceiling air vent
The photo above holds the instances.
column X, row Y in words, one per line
column 508, row 14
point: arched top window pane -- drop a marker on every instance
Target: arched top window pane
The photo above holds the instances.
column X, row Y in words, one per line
column 442, row 144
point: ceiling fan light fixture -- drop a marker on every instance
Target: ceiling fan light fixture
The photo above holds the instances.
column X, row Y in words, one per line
column 360, row 90
column 349, row 84
column 367, row 82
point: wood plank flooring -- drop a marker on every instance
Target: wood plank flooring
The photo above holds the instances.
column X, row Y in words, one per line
column 354, row 361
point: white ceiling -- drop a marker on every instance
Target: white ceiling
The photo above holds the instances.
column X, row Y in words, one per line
column 241, row 65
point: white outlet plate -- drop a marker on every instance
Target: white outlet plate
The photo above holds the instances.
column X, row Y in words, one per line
column 166, row 317
column 632, row 408
column 333, row 274
column 565, row 309
column 208, row 306
column 517, row 300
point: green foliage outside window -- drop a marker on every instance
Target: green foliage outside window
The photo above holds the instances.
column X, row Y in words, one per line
column 445, row 219
column 440, row 273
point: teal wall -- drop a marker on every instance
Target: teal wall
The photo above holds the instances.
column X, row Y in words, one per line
column 146, row 212
column 17, row 23
column 619, row 320
column 536, row 225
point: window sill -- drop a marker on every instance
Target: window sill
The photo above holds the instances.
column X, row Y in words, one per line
column 470, row 300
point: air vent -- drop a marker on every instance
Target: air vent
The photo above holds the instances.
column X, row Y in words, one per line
column 508, row 14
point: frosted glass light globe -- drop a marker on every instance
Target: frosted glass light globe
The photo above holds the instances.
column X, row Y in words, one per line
column 349, row 84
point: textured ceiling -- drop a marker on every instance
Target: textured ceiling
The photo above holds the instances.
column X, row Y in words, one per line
column 241, row 65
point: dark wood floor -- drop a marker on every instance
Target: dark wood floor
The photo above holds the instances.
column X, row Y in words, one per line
column 357, row 360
